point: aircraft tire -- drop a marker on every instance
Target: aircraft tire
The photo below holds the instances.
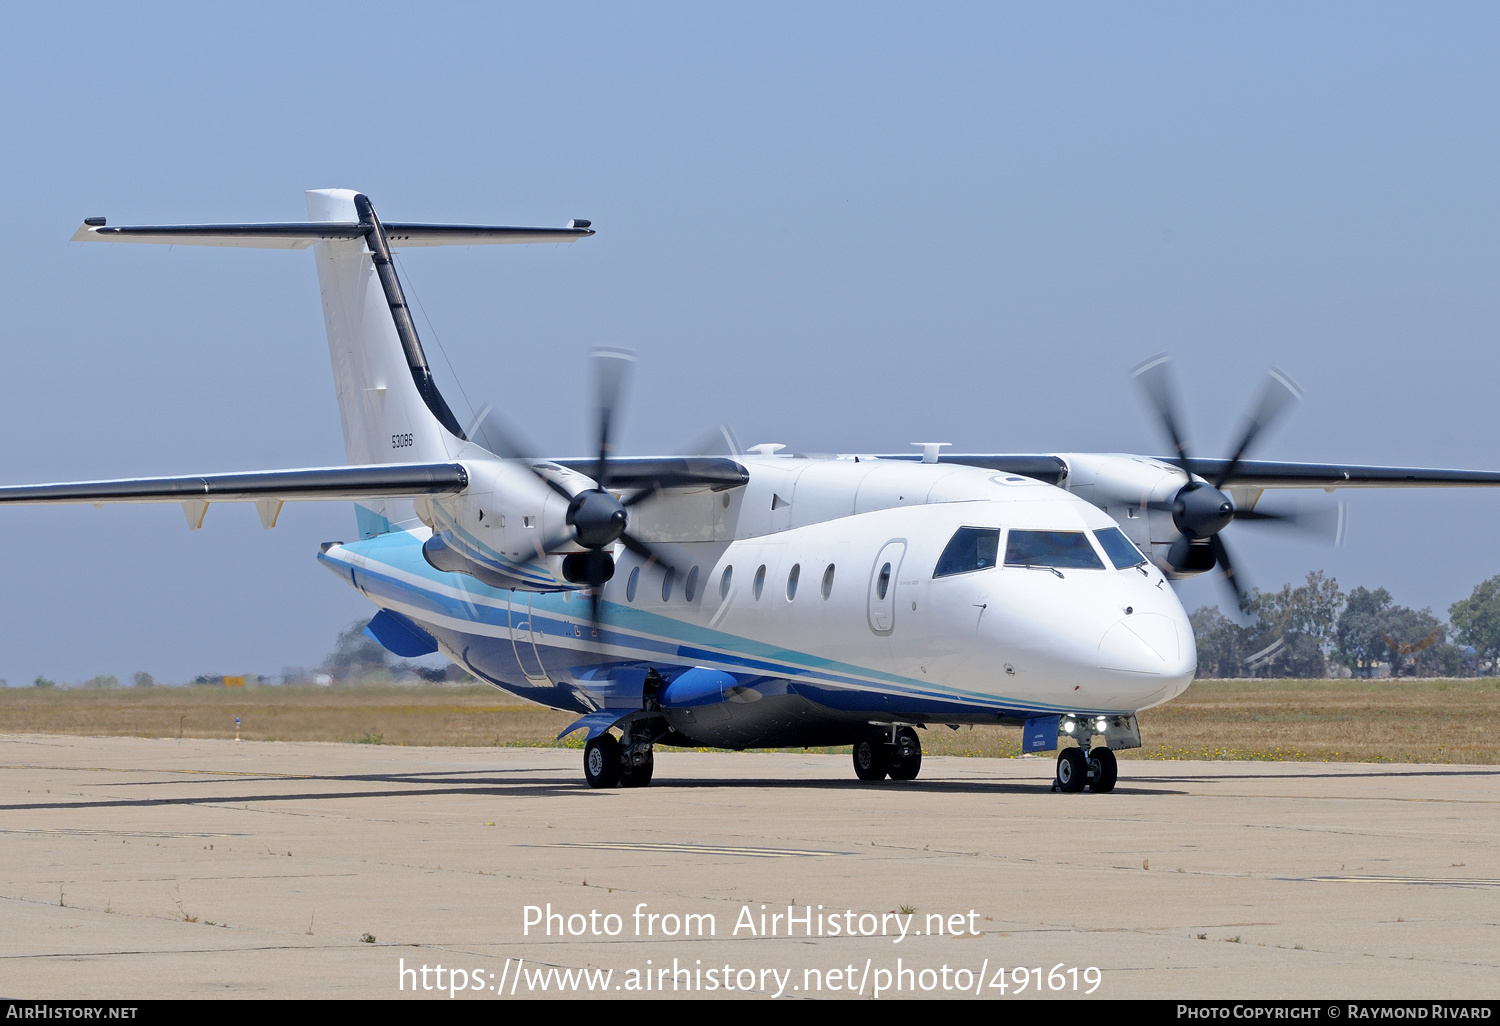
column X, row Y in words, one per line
column 870, row 759
column 906, row 755
column 638, row 776
column 1106, row 770
column 1072, row 770
column 601, row 761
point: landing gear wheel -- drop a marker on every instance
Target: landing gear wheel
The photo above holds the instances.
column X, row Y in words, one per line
column 1103, row 769
column 870, row 760
column 638, row 776
column 601, row 761
column 905, row 755
column 1072, row 770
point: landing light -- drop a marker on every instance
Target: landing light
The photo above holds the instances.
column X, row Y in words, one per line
column 1100, row 724
column 1069, row 726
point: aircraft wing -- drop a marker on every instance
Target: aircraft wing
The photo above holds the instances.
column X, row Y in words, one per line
column 383, row 480
column 379, row 480
column 1328, row 476
column 715, row 472
column 1051, row 469
column 1248, row 474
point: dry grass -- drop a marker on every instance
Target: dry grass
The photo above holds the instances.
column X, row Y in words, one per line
column 1455, row 721
column 468, row 716
column 1404, row 720
column 1319, row 720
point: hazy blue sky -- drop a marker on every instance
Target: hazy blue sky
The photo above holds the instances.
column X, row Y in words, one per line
column 843, row 227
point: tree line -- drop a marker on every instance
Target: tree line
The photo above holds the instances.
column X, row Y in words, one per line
column 1316, row 630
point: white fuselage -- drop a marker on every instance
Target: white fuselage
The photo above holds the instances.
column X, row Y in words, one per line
column 1017, row 638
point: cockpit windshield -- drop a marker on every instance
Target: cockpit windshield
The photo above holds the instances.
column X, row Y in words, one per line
column 1067, row 550
column 1118, row 548
column 970, row 549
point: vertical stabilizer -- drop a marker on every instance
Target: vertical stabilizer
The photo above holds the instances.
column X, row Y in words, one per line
column 390, row 409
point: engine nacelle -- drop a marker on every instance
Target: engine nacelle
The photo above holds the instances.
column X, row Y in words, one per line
column 507, row 529
column 1126, row 487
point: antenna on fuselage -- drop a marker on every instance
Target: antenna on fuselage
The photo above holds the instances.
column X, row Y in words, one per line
column 930, row 450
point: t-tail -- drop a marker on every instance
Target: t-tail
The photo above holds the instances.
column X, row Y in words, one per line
column 389, row 405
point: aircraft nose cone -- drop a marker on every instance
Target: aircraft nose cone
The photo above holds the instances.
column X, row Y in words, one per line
column 1147, row 643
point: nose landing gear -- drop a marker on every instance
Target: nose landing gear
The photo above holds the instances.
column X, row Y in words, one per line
column 1072, row 770
column 1078, row 768
column 1103, row 770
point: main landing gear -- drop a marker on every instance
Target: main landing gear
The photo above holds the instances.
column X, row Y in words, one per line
column 607, row 762
column 1078, row 768
column 898, row 756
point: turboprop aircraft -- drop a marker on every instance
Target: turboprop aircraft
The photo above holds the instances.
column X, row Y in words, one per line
column 746, row 599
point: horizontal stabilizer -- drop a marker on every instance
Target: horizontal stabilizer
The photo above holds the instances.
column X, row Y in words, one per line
column 300, row 235
column 386, row 480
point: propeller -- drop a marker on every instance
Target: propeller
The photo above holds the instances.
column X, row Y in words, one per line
column 1201, row 510
column 597, row 519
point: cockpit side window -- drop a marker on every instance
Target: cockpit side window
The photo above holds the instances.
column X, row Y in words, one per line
column 1118, row 548
column 1068, row 550
column 970, row 549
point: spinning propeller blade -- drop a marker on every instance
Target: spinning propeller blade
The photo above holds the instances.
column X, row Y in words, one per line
column 1200, row 511
column 1278, row 393
column 596, row 518
column 1154, row 377
column 1221, row 557
column 611, row 368
column 1324, row 523
column 490, row 431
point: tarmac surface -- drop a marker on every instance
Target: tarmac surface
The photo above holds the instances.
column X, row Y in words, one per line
column 136, row 868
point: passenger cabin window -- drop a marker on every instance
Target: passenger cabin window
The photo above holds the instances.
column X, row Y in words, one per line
column 791, row 581
column 828, row 581
column 1066, row 550
column 760, row 580
column 635, row 578
column 1118, row 548
column 690, row 588
column 970, row 549
column 883, row 582
column 724, row 582
column 666, row 584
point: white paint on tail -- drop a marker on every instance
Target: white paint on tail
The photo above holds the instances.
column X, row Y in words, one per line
column 383, row 415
